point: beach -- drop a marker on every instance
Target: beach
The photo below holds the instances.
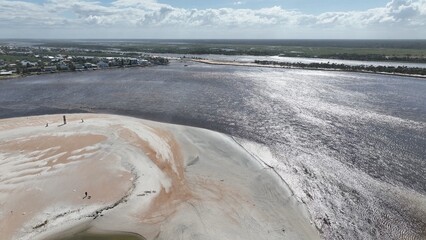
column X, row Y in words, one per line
column 122, row 174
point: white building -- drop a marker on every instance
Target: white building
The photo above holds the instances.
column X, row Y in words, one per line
column 5, row 73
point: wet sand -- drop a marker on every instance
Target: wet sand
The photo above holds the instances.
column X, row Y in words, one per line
column 157, row 180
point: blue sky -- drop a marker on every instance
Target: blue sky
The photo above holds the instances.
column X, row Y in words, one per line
column 213, row 19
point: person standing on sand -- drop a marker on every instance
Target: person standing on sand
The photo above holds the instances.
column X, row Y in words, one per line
column 65, row 119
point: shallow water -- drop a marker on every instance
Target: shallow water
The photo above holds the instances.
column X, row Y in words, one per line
column 102, row 236
column 352, row 146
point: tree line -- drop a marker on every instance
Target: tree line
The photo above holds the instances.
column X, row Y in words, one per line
column 352, row 68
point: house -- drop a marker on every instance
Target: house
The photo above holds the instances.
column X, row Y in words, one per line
column 5, row 73
column 102, row 64
column 53, row 58
column 113, row 62
column 132, row 61
column 79, row 67
column 90, row 65
column 26, row 63
column 63, row 66
column 33, row 69
column 49, row 69
column 143, row 62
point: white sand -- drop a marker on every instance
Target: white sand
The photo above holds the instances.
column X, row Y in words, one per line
column 158, row 180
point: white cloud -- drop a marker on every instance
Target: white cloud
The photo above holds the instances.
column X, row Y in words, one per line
column 150, row 13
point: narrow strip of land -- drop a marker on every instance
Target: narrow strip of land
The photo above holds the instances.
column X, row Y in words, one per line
column 393, row 71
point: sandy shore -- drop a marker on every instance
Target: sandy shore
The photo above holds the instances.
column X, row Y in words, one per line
column 234, row 63
column 157, row 180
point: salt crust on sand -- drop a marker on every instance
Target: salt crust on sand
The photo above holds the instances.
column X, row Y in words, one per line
column 159, row 180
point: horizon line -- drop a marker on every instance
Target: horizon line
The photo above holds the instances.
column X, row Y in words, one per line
column 252, row 39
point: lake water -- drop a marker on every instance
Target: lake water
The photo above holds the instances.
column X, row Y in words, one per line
column 352, row 146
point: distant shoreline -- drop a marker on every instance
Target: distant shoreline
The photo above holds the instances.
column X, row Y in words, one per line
column 249, row 64
column 223, row 63
column 20, row 76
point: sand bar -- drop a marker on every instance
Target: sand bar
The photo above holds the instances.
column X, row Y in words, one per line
column 157, row 180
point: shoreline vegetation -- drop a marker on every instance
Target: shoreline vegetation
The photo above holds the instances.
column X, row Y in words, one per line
column 403, row 70
column 384, row 70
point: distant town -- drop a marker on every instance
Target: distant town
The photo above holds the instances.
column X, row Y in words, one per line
column 18, row 61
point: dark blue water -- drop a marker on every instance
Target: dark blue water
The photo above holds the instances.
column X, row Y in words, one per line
column 352, row 146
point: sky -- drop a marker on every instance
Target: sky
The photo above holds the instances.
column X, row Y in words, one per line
column 205, row 19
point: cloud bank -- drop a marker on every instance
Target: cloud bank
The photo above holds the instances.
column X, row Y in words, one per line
column 152, row 17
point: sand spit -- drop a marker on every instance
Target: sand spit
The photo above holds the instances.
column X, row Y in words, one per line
column 234, row 63
column 252, row 64
column 157, row 180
